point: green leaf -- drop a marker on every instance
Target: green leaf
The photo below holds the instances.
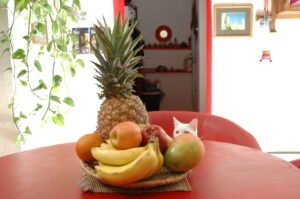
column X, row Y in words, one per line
column 16, row 119
column 69, row 101
column 37, row 11
column 21, row 73
column 7, row 69
column 19, row 54
column 22, row 115
column 80, row 63
column 21, row 4
column 74, row 38
column 55, row 98
column 61, row 46
column 48, row 8
column 23, row 83
column 41, row 85
column 4, row 40
column 38, row 65
column 10, row 105
column 73, row 71
column 27, row 131
column 57, row 79
column 58, row 119
column 76, row 3
column 38, row 107
column 54, row 27
column 27, row 38
column 41, row 28
column 20, row 139
column 49, row 46
column 55, row 89
column 4, row 51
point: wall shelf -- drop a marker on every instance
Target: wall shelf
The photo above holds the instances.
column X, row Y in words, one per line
column 167, row 48
column 169, row 72
column 148, row 70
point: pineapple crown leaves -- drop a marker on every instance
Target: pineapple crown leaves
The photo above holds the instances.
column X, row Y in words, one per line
column 117, row 56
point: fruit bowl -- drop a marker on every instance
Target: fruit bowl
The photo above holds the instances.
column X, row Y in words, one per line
column 164, row 177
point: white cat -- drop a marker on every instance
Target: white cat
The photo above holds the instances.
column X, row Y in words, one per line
column 181, row 128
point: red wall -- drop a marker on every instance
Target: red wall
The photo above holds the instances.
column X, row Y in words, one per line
column 119, row 7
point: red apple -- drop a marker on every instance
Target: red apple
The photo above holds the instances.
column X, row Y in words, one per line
column 155, row 130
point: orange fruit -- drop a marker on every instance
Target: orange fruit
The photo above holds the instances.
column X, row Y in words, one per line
column 126, row 135
column 85, row 143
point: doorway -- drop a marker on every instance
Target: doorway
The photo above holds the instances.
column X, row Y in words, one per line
column 172, row 62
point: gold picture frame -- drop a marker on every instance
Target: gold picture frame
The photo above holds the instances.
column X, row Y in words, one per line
column 233, row 20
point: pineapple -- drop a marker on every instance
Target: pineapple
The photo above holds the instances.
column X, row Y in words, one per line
column 116, row 72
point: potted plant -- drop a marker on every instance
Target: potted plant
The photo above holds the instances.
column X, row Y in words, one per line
column 42, row 59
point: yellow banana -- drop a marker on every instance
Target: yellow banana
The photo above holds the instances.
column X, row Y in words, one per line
column 106, row 145
column 153, row 166
column 160, row 159
column 111, row 156
column 134, row 171
column 157, row 165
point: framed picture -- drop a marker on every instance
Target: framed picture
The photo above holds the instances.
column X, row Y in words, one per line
column 233, row 20
column 83, row 40
column 40, row 38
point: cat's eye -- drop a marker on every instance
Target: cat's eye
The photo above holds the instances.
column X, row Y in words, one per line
column 177, row 132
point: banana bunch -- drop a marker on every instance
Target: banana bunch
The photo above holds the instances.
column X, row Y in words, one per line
column 121, row 167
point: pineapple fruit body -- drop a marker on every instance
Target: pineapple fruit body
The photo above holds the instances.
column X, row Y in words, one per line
column 116, row 110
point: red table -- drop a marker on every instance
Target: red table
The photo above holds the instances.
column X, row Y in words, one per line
column 227, row 172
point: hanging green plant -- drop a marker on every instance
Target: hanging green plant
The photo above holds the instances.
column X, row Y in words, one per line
column 42, row 60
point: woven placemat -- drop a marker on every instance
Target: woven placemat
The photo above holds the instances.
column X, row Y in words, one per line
column 91, row 184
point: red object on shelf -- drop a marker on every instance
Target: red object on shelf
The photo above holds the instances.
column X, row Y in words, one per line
column 163, row 33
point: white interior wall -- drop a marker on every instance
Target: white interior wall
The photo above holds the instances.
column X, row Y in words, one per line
column 262, row 97
column 8, row 133
column 174, row 13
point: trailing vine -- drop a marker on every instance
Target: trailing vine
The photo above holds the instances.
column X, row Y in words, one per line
column 47, row 20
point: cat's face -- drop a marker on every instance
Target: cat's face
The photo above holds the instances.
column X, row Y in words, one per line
column 181, row 128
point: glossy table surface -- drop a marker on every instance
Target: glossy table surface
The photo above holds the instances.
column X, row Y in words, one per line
column 227, row 172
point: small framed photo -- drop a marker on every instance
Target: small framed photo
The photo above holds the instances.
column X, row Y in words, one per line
column 232, row 20
column 40, row 38
column 82, row 46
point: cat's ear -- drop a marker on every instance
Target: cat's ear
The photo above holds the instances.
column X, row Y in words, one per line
column 194, row 123
column 176, row 122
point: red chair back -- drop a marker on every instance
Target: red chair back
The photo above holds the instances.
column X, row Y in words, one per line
column 210, row 127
